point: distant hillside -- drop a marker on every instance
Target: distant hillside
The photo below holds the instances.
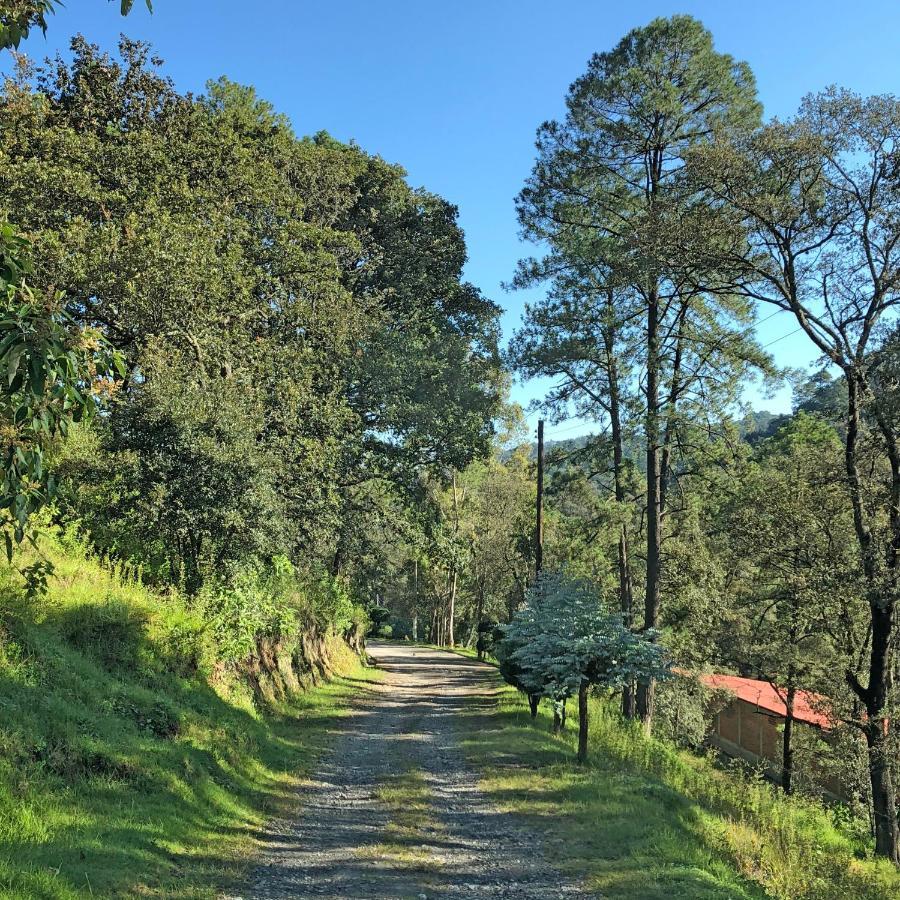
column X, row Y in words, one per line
column 755, row 426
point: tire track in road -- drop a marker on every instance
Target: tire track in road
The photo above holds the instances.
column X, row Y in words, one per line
column 344, row 843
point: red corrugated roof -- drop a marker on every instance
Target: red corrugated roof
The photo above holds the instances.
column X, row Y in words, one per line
column 808, row 707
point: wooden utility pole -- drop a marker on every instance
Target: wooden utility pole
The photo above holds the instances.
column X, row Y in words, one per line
column 415, row 621
column 539, row 517
column 451, row 613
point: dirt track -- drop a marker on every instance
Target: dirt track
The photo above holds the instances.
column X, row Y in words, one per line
column 349, row 840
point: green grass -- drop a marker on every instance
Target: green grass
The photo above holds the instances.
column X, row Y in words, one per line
column 644, row 821
column 408, row 799
column 124, row 770
column 460, row 650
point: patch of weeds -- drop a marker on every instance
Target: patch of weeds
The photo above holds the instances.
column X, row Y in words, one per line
column 158, row 717
column 407, row 797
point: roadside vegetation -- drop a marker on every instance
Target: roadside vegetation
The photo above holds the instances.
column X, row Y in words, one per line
column 644, row 819
column 137, row 758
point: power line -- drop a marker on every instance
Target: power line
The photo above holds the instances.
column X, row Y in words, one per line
column 777, row 312
column 781, row 338
column 568, row 428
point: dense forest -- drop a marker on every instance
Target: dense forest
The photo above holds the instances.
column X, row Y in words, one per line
column 245, row 368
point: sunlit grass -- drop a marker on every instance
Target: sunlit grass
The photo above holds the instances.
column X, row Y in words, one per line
column 407, row 798
column 120, row 778
column 644, row 821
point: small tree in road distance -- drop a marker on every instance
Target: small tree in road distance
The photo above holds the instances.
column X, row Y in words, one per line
column 567, row 640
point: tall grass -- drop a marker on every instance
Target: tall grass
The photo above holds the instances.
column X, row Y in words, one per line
column 791, row 845
column 654, row 810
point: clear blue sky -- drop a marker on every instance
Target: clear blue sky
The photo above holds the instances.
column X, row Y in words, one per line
column 454, row 91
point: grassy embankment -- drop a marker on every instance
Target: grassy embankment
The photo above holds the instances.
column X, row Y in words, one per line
column 644, row 821
column 133, row 763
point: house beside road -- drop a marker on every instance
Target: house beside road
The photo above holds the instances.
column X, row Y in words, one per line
column 750, row 726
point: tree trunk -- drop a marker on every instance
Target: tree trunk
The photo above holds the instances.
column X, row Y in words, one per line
column 884, row 807
column 629, row 709
column 539, row 506
column 646, row 690
column 583, row 720
column 887, row 838
column 451, row 609
column 337, row 561
column 451, row 612
column 787, row 748
column 626, row 593
column 881, row 608
column 559, row 716
column 479, row 615
column 533, row 701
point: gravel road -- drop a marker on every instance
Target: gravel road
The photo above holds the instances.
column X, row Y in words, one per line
column 345, row 842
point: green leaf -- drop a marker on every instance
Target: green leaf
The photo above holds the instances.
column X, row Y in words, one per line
column 38, row 375
column 12, row 364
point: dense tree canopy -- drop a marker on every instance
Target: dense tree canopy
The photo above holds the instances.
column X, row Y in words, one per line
column 292, row 313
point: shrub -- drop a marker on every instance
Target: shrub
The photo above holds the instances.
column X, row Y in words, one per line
column 685, row 709
column 567, row 641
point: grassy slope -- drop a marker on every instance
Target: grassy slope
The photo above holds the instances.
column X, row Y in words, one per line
column 119, row 778
column 645, row 822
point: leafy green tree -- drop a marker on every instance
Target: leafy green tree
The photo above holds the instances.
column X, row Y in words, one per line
column 196, row 256
column 816, row 204
column 497, row 521
column 301, row 346
column 425, row 384
column 476, row 561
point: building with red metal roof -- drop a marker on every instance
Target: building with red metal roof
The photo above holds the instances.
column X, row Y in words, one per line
column 750, row 726
column 809, row 708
